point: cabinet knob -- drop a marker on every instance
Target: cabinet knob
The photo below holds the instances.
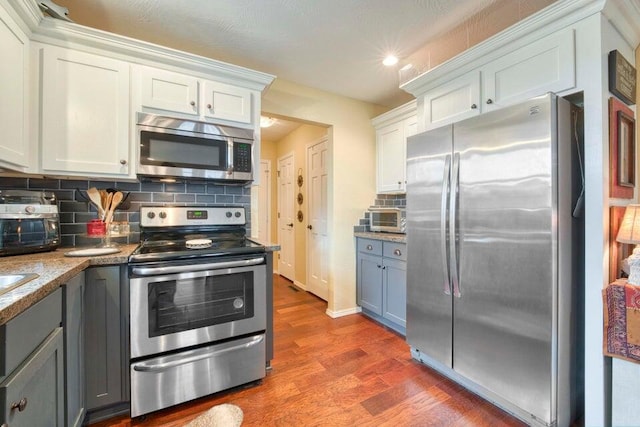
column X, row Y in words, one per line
column 20, row 406
column 192, row 103
column 474, row 106
column 209, row 106
column 489, row 101
column 370, row 248
column 399, row 182
column 397, row 252
column 123, row 162
column 310, row 227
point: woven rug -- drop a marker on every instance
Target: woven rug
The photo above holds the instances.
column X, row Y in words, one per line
column 225, row 415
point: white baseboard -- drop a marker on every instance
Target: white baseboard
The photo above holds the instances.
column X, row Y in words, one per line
column 345, row 312
column 300, row 285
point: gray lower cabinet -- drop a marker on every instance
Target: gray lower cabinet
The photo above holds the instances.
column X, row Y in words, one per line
column 105, row 337
column 73, row 321
column 32, row 365
column 382, row 281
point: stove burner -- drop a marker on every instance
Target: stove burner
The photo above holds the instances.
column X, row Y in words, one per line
column 198, row 243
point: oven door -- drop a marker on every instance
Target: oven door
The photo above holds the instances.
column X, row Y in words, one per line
column 179, row 306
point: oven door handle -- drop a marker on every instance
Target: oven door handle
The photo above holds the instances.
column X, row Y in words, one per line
column 153, row 271
column 196, row 356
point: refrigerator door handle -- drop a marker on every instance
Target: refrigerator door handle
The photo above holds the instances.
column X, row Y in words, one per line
column 453, row 216
column 443, row 224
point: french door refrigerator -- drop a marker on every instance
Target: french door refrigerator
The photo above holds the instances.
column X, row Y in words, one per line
column 493, row 256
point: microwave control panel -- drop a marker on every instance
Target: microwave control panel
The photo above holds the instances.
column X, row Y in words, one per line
column 242, row 157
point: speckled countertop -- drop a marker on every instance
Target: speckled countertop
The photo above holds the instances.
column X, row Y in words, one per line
column 388, row 237
column 53, row 269
column 269, row 247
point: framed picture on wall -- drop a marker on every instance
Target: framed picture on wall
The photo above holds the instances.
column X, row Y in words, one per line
column 622, row 150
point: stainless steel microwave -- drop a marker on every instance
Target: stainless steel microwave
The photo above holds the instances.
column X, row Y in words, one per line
column 175, row 148
column 391, row 219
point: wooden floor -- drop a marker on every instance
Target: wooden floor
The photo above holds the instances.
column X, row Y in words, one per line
column 338, row 372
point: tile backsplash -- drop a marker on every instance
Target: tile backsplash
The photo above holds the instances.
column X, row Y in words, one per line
column 75, row 211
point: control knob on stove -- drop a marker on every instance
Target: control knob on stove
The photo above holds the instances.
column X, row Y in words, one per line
column 162, row 215
column 30, row 209
column 228, row 214
column 238, row 214
column 151, row 215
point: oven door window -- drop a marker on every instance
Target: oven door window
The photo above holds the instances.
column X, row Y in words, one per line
column 181, row 305
column 385, row 219
column 180, row 151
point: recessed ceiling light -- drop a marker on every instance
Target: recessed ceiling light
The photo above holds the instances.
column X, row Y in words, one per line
column 265, row 122
column 390, row 60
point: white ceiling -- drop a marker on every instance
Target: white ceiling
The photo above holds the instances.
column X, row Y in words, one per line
column 332, row 45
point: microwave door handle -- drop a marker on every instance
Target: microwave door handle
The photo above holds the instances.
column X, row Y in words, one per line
column 230, row 156
column 443, row 224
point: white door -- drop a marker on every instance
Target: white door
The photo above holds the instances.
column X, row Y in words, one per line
column 264, row 202
column 317, row 238
column 286, row 237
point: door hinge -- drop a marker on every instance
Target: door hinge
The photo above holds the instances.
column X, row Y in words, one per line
column 278, row 256
column 278, row 214
column 278, row 174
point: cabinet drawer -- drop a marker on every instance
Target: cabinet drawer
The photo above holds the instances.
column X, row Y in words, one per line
column 395, row 250
column 369, row 246
column 20, row 336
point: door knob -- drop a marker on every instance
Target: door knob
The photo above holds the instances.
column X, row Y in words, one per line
column 310, row 227
column 290, row 225
column 489, row 101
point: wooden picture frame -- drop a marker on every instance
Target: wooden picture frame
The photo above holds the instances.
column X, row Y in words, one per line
column 622, row 150
column 617, row 251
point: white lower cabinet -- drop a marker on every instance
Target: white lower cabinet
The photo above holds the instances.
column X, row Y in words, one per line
column 382, row 282
column 84, row 114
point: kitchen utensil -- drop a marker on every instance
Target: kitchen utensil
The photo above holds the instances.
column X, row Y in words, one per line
column 96, row 199
column 114, row 201
column 107, row 208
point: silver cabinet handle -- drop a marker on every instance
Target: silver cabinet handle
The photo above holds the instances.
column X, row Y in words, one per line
column 453, row 216
column 209, row 106
column 397, row 252
column 123, row 162
column 369, row 247
column 192, row 103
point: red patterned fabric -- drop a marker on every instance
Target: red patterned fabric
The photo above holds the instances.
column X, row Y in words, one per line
column 622, row 320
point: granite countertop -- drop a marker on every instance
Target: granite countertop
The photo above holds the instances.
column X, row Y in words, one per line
column 269, row 247
column 379, row 235
column 53, row 269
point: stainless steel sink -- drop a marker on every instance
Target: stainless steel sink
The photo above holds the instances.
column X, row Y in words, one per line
column 12, row 281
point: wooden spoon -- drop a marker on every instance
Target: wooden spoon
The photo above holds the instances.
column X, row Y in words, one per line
column 116, row 198
column 94, row 196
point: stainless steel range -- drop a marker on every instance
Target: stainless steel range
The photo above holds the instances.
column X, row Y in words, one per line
column 198, row 306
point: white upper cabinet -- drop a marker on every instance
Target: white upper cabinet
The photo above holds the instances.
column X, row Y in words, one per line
column 166, row 92
column 392, row 130
column 547, row 65
column 453, row 101
column 14, row 142
column 85, row 113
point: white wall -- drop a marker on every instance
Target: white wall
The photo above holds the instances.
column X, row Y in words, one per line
column 352, row 172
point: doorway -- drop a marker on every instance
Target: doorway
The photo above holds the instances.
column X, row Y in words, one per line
column 286, row 221
column 317, row 240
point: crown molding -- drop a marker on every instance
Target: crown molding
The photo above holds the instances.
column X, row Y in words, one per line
column 625, row 17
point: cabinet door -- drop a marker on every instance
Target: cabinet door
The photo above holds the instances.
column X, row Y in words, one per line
column 390, row 157
column 547, row 65
column 226, row 102
column 73, row 321
column 164, row 90
column 395, row 291
column 453, row 101
column 14, row 152
column 85, row 113
column 103, row 351
column 370, row 282
column 36, row 387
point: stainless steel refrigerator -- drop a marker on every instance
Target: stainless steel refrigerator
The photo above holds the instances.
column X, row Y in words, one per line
column 493, row 256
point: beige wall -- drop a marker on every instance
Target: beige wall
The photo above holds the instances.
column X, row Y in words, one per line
column 352, row 171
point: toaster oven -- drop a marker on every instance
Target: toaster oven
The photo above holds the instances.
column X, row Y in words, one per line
column 389, row 219
column 29, row 222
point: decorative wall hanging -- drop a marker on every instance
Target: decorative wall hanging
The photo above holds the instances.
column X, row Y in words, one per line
column 300, row 216
column 622, row 78
column 622, row 150
column 300, row 178
column 300, row 198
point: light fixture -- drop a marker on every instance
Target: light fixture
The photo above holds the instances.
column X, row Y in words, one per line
column 629, row 233
column 266, row 122
column 390, row 60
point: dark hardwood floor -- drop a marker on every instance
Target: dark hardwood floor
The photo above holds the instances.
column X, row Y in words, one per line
column 338, row 372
